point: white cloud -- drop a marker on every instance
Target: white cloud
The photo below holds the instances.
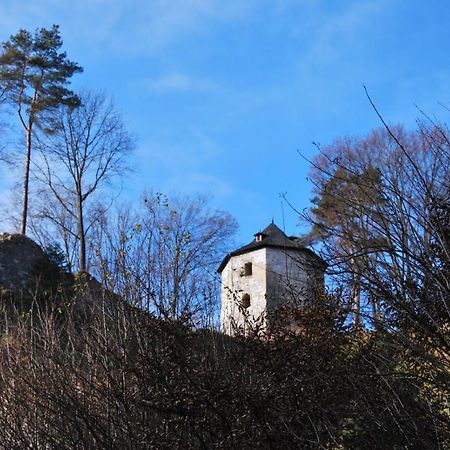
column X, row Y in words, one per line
column 151, row 26
column 161, row 22
column 193, row 183
column 338, row 31
column 126, row 27
column 179, row 82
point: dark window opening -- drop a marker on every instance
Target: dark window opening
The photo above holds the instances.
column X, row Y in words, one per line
column 247, row 269
column 245, row 301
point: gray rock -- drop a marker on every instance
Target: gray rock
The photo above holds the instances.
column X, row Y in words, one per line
column 19, row 258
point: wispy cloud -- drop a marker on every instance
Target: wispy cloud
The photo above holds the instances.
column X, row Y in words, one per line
column 179, row 82
column 151, row 26
column 193, row 183
column 160, row 22
column 338, row 30
column 126, row 27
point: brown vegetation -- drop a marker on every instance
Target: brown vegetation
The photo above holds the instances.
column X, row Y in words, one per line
column 119, row 378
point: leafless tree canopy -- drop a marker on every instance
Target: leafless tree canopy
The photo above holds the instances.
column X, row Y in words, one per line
column 381, row 216
column 164, row 255
column 88, row 146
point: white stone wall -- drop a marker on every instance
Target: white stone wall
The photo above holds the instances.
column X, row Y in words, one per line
column 278, row 276
column 291, row 276
column 235, row 284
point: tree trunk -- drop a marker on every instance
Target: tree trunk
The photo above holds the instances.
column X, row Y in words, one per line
column 376, row 315
column 356, row 293
column 26, row 182
column 81, row 234
column 356, row 300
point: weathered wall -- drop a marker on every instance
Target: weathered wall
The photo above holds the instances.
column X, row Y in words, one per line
column 278, row 276
column 235, row 285
column 291, row 276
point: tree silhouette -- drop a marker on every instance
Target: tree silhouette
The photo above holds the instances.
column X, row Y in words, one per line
column 33, row 76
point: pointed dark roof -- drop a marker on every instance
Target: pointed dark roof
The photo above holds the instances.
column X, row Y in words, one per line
column 273, row 237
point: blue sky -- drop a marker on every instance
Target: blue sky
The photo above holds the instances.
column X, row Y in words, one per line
column 222, row 94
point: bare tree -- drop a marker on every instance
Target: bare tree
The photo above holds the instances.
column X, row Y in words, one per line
column 34, row 76
column 2, row 145
column 165, row 255
column 50, row 223
column 403, row 239
column 87, row 149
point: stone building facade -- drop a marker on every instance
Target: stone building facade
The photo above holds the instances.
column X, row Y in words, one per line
column 264, row 275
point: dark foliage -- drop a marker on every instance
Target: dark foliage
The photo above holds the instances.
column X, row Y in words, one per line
column 119, row 378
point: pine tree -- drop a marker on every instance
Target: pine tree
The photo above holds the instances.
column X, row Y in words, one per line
column 33, row 76
column 344, row 208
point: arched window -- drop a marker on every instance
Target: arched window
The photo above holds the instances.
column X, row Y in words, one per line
column 245, row 301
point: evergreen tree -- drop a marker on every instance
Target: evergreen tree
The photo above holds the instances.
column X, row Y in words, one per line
column 380, row 216
column 345, row 205
column 33, row 76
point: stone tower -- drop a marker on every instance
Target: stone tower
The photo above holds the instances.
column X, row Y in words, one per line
column 263, row 275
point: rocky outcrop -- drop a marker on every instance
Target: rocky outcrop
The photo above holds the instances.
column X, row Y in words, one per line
column 27, row 274
column 20, row 256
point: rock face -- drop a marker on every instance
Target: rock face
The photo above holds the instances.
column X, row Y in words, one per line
column 26, row 274
column 19, row 257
